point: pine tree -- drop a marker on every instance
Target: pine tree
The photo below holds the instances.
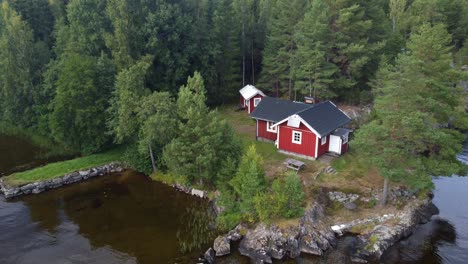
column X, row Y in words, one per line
column 249, row 182
column 280, row 46
column 416, row 99
column 313, row 72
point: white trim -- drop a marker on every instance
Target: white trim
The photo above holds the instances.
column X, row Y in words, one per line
column 294, row 133
column 273, row 130
column 248, row 106
column 278, row 138
column 316, row 146
column 302, row 121
column 256, row 132
column 323, row 141
column 257, row 101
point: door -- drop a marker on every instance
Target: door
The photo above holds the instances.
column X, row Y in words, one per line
column 335, row 144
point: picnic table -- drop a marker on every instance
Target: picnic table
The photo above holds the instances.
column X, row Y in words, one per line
column 294, row 164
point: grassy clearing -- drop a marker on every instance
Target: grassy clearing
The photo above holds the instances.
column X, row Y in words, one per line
column 57, row 169
column 246, row 130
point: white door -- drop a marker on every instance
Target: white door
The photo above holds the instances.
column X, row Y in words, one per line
column 335, row 144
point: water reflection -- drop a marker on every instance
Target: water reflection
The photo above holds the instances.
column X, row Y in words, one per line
column 117, row 219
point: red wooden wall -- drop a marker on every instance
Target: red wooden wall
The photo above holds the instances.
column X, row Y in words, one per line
column 308, row 140
column 322, row 149
column 262, row 131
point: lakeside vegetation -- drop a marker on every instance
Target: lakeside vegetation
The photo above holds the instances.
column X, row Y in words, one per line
column 90, row 74
column 58, row 169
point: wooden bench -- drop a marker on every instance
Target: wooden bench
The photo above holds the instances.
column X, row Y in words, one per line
column 294, row 164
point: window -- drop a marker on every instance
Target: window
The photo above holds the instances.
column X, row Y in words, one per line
column 324, row 140
column 345, row 138
column 297, row 137
column 257, row 101
column 270, row 128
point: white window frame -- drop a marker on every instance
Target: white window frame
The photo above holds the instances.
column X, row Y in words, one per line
column 345, row 138
column 257, row 101
column 323, row 141
column 294, row 133
column 272, row 130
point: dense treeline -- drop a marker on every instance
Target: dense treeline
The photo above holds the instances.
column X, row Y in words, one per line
column 64, row 64
column 91, row 73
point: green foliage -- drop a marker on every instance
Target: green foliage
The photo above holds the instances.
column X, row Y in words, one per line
column 416, row 100
column 133, row 158
column 129, row 90
column 249, row 181
column 16, row 68
column 79, row 107
column 285, row 200
column 192, row 98
column 205, row 142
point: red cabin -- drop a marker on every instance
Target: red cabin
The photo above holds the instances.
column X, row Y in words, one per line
column 250, row 97
column 300, row 129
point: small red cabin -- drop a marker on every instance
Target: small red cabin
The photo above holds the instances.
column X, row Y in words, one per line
column 250, row 97
column 300, row 129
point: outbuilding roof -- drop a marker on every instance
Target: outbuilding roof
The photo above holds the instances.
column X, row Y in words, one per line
column 250, row 91
column 324, row 117
column 275, row 109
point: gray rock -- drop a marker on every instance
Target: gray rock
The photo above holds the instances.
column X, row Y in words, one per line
column 222, row 246
column 209, row 256
column 350, row 206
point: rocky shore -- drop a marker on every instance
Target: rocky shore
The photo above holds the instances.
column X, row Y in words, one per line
column 41, row 186
column 314, row 235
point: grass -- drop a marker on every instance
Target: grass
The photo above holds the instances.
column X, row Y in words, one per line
column 57, row 169
column 246, row 130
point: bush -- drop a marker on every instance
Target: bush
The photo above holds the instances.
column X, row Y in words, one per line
column 137, row 161
column 286, row 199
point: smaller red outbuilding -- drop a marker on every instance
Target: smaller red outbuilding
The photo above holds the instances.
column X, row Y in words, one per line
column 250, row 97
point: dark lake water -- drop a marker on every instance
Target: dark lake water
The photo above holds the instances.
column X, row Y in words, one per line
column 124, row 218
column 127, row 218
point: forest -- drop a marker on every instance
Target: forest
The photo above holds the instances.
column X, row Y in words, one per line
column 93, row 73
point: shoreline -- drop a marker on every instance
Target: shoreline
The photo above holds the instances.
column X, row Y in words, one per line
column 69, row 178
column 315, row 236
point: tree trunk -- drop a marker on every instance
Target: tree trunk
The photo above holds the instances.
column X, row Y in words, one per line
column 383, row 201
column 153, row 164
column 243, row 54
column 253, row 64
column 290, row 89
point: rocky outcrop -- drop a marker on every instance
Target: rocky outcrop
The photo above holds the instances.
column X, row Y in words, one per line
column 264, row 243
column 373, row 244
column 222, row 246
column 191, row 191
column 41, row 186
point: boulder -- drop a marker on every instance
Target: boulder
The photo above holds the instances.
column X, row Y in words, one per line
column 209, row 256
column 350, row 206
column 222, row 246
column 198, row 193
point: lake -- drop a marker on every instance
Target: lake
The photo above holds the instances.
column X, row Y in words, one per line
column 128, row 218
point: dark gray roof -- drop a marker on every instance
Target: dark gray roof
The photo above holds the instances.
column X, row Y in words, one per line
column 341, row 132
column 324, row 117
column 275, row 109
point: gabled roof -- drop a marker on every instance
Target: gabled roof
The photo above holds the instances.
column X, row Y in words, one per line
column 250, row 91
column 324, row 117
column 275, row 109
